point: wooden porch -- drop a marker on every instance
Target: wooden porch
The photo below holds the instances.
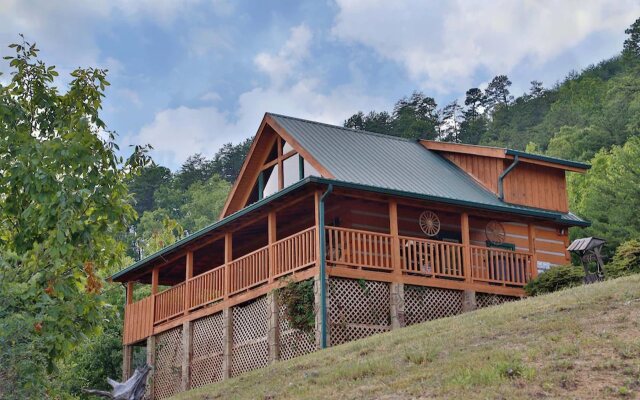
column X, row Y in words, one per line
column 349, row 253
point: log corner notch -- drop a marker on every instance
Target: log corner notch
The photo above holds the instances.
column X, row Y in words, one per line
column 132, row 389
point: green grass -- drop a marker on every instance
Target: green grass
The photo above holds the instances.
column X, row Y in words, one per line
column 578, row 343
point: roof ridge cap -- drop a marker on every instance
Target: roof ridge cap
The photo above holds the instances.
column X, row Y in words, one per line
column 360, row 131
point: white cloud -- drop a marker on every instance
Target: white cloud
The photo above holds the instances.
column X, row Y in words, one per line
column 442, row 44
column 280, row 66
column 179, row 132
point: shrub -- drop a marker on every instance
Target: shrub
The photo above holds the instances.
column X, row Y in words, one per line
column 626, row 260
column 298, row 297
column 555, row 278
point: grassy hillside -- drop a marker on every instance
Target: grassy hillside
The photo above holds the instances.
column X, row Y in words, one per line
column 578, row 343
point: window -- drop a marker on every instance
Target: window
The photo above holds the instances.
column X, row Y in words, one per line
column 291, row 170
column 309, row 170
column 270, row 176
column 286, row 147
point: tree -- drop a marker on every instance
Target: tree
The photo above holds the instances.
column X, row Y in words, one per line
column 204, row 203
column 631, row 45
column 536, row 89
column 144, row 185
column 63, row 199
column 227, row 161
column 497, row 92
column 415, row 117
column 609, row 194
column 473, row 100
column 451, row 118
column 195, row 169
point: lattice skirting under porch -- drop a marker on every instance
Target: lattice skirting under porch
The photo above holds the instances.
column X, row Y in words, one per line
column 208, row 341
column 489, row 299
column 168, row 371
column 426, row 303
column 356, row 309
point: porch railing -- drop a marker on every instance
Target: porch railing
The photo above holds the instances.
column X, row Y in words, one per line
column 360, row 249
column 357, row 249
column 169, row 303
column 206, row 288
column 431, row 257
column 500, row 266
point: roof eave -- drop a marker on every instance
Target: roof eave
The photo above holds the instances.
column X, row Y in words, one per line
column 550, row 215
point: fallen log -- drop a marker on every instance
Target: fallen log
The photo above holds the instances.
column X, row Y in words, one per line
column 132, row 389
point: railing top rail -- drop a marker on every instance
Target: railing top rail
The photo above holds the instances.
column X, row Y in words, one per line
column 336, row 228
column 313, row 228
column 429, row 241
column 498, row 250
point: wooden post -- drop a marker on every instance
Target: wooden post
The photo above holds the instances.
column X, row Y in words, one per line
column 466, row 250
column 397, row 305
column 469, row 302
column 187, row 352
column 316, row 200
column 151, row 361
column 317, row 307
column 395, row 240
column 532, row 250
column 155, row 278
column 228, row 257
column 127, row 351
column 130, row 286
column 187, row 284
column 271, row 228
column 273, row 327
column 227, row 341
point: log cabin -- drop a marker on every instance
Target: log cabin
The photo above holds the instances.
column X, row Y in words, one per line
column 388, row 231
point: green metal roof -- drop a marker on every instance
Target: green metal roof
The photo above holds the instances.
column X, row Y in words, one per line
column 389, row 162
column 376, row 163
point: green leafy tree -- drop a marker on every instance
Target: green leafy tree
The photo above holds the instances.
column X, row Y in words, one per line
column 204, row 203
column 63, row 200
column 143, row 186
column 497, row 93
column 609, row 194
column 631, row 45
column 228, row 161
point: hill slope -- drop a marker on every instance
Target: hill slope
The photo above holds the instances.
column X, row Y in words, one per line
column 578, row 343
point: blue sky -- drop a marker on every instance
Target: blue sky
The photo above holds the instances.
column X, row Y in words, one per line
column 188, row 76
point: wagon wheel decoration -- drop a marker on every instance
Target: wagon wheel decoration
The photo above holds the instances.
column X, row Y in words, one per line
column 495, row 232
column 429, row 223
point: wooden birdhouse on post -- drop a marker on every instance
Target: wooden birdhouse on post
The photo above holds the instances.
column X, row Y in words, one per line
column 589, row 250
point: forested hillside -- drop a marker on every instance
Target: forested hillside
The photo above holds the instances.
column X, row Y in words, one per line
column 74, row 212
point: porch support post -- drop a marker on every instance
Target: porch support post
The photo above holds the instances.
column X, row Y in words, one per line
column 532, row 250
column 469, row 300
column 151, row 361
column 228, row 257
column 127, row 351
column 187, row 284
column 130, row 286
column 273, row 327
column 466, row 249
column 397, row 305
column 317, row 286
column 395, row 240
column 187, row 351
column 155, row 278
column 271, row 228
column 227, row 341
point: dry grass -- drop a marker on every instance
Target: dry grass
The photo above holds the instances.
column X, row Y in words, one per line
column 582, row 343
